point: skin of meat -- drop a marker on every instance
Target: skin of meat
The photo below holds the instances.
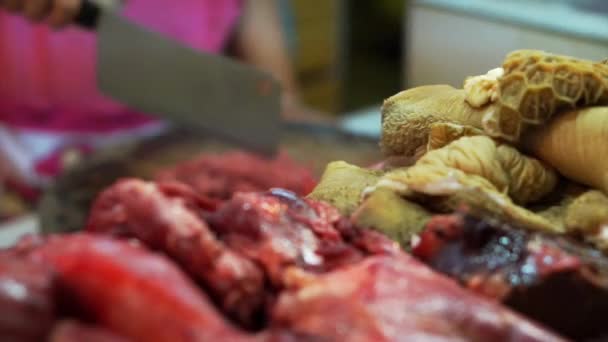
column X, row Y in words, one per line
column 397, row 299
column 137, row 294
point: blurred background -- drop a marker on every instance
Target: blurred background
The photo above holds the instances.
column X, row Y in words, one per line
column 351, row 54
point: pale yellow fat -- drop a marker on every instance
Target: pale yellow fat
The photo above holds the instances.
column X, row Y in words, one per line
column 483, row 89
column 342, row 184
column 509, row 171
column 576, row 145
column 407, row 117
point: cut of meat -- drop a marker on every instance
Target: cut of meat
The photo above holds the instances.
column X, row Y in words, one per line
column 556, row 281
column 218, row 176
column 324, row 279
column 129, row 291
column 278, row 229
column 396, row 298
column 167, row 218
column 254, row 238
column 292, row 268
column 133, row 292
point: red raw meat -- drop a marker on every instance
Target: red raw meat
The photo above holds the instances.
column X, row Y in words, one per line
column 26, row 296
column 396, row 298
column 142, row 296
column 324, row 278
column 218, row 176
column 278, row 229
column 132, row 292
column 556, row 281
column 72, row 331
column 320, row 278
column 167, row 218
column 254, row 237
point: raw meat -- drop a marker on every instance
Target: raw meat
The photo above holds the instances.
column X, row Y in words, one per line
column 383, row 298
column 218, row 176
column 322, row 278
column 166, row 217
column 551, row 279
column 321, row 273
column 132, row 292
column 72, row 331
column 254, row 237
column 396, row 298
column 26, row 296
column 278, row 229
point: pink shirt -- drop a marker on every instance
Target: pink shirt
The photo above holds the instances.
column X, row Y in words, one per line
column 48, row 81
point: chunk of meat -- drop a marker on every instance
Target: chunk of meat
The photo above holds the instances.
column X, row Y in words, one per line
column 253, row 237
column 555, row 281
column 72, row 331
column 396, row 298
column 137, row 294
column 166, row 217
column 26, row 296
column 219, row 176
column 323, row 278
column 278, row 229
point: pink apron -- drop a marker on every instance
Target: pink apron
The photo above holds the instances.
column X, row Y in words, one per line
column 48, row 96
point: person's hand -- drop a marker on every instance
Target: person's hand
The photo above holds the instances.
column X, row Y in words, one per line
column 57, row 13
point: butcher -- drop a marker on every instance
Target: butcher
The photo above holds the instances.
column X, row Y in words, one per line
column 50, row 107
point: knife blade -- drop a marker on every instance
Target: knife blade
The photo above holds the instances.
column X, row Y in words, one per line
column 157, row 75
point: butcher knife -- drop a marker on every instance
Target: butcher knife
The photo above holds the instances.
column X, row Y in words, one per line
column 157, row 75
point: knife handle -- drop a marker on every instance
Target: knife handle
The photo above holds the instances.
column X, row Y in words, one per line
column 88, row 15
